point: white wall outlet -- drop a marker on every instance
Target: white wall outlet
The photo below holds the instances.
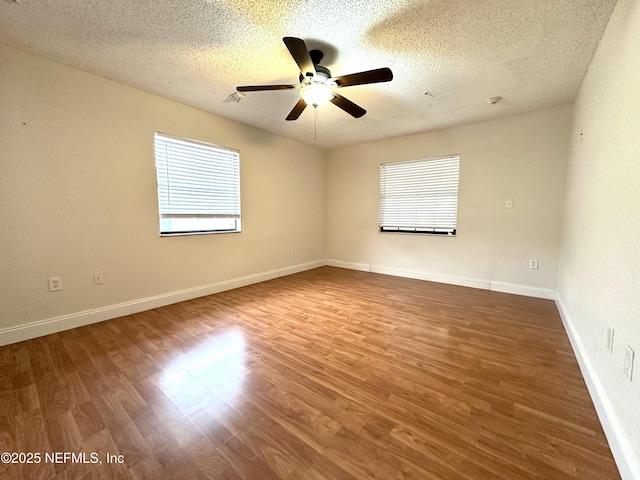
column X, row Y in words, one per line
column 628, row 361
column 533, row 263
column 55, row 284
column 610, row 333
column 98, row 278
column 508, row 204
column 294, row 249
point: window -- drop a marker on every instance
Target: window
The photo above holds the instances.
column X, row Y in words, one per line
column 198, row 186
column 419, row 196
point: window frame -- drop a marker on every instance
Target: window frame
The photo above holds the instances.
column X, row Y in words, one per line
column 436, row 187
column 197, row 162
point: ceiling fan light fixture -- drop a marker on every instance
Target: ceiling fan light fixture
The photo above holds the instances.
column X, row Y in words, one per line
column 316, row 94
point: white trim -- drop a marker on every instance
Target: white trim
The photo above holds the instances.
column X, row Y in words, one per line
column 430, row 277
column 621, row 449
column 517, row 289
column 496, row 286
column 301, row 267
column 363, row 267
column 87, row 317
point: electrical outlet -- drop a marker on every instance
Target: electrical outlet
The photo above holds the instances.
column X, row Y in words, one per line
column 628, row 361
column 98, row 278
column 294, row 250
column 508, row 204
column 533, row 263
column 55, row 284
column 610, row 333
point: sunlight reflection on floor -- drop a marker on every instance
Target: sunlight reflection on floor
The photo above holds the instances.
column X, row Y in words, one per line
column 218, row 366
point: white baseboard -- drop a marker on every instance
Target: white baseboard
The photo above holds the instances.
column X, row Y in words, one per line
column 79, row 319
column 301, row 267
column 516, row 289
column 503, row 287
column 628, row 465
column 430, row 277
column 463, row 282
column 363, row 267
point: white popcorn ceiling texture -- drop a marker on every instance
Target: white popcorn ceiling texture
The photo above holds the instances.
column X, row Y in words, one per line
column 533, row 53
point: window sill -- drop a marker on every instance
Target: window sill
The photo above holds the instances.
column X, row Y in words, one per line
column 412, row 232
column 184, row 234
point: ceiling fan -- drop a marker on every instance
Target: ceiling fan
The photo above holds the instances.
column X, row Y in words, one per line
column 317, row 86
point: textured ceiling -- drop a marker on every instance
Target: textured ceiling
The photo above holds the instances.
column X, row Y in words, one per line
column 533, row 53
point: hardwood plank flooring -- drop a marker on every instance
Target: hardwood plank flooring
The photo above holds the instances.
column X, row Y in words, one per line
column 328, row 374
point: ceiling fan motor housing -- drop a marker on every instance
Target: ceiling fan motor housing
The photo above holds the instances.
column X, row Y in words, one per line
column 321, row 71
column 316, row 56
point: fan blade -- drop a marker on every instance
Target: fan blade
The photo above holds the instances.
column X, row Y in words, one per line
column 297, row 110
column 370, row 76
column 259, row 88
column 298, row 50
column 347, row 105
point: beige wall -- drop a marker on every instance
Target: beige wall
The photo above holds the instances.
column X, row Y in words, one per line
column 78, row 195
column 599, row 274
column 521, row 158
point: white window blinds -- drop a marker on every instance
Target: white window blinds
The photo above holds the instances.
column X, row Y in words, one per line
column 196, row 180
column 419, row 196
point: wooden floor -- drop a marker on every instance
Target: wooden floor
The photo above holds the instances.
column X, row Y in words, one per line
column 328, row 374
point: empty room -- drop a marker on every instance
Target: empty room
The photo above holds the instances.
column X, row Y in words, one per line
column 309, row 240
